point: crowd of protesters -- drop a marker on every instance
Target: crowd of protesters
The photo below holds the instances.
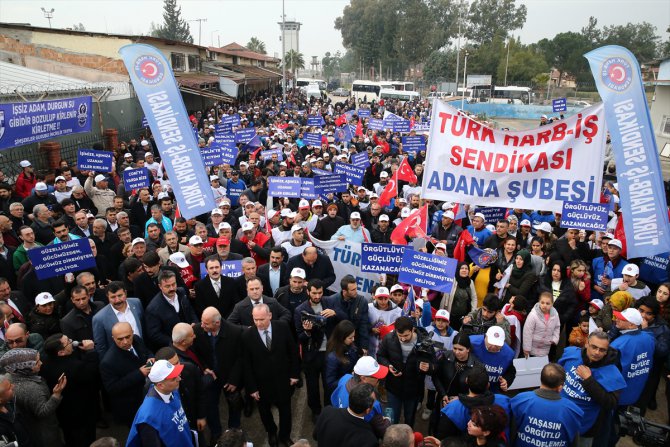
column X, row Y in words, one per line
column 159, row 336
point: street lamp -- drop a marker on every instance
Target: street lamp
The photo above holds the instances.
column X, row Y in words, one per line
column 465, row 71
column 48, row 14
column 507, row 61
column 283, row 53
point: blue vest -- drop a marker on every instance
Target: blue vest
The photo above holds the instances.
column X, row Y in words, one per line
column 169, row 420
column 340, row 398
column 609, row 377
column 459, row 414
column 479, row 236
column 233, row 191
column 496, row 363
column 598, row 266
column 637, row 359
column 543, row 422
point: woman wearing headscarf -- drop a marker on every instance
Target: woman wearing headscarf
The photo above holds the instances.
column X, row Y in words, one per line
column 564, row 298
column 462, row 298
column 522, row 280
column 36, row 404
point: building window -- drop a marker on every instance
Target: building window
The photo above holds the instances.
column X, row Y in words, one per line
column 665, row 126
column 178, row 61
column 193, row 62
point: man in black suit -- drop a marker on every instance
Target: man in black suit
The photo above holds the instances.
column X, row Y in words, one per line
column 215, row 289
column 273, row 274
column 248, row 272
column 272, row 367
column 124, row 369
column 242, row 314
column 140, row 211
column 78, row 323
column 169, row 307
column 315, row 265
column 145, row 284
column 218, row 344
column 15, row 299
column 83, row 229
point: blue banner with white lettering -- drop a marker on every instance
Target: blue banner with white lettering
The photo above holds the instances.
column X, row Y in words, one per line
column 163, row 105
column 426, row 270
column 354, row 174
column 231, row 269
column 93, row 160
column 360, row 159
column 145, row 123
column 223, row 128
column 376, row 124
column 266, row 155
column 330, row 184
column 307, row 188
column 212, row 155
column 654, row 269
column 402, row 126
column 644, row 210
column 318, row 171
column 233, row 120
column 381, row 258
column 245, row 135
column 284, row 186
column 492, row 214
column 585, row 216
column 136, row 179
column 559, row 105
column 343, row 133
column 224, row 140
column 312, row 138
column 364, row 113
column 315, row 121
column 23, row 123
column 59, row 259
column 413, row 143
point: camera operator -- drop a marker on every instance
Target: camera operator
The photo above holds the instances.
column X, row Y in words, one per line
column 478, row 321
column 409, row 355
column 314, row 321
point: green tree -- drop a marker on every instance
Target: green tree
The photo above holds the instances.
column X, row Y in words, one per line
column 294, row 62
column 438, row 64
column 485, row 59
column 591, row 31
column 524, row 63
column 174, row 27
column 640, row 38
column 330, row 64
column 488, row 19
column 256, row 45
column 565, row 53
column 664, row 48
column 78, row 27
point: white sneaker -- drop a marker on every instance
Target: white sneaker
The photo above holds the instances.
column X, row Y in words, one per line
column 425, row 414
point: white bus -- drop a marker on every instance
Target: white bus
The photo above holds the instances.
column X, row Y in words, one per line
column 401, row 95
column 501, row 95
column 367, row 91
column 403, row 85
column 304, row 82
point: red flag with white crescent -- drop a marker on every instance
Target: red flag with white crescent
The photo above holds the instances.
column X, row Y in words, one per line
column 359, row 128
column 389, row 193
column 405, row 172
column 413, row 225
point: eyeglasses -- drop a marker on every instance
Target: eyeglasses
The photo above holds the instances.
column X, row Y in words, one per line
column 597, row 348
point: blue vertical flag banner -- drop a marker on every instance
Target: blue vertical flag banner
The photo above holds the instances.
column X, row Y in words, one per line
column 284, row 186
column 92, row 160
column 24, row 123
column 59, row 259
column 426, row 270
column 312, row 138
column 410, row 304
column 559, row 104
column 136, row 179
column 354, row 174
column 643, row 207
column 159, row 95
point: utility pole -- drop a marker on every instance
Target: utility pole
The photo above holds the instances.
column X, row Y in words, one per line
column 199, row 28
column 507, row 62
column 212, row 37
column 465, row 71
column 458, row 46
column 48, row 14
column 283, row 52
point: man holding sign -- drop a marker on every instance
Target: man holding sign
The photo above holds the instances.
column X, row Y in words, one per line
column 100, row 194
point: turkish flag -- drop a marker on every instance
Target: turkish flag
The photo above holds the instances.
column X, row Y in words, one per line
column 413, row 225
column 340, row 120
column 389, row 192
column 412, row 122
column 405, row 172
column 359, row 128
column 464, row 240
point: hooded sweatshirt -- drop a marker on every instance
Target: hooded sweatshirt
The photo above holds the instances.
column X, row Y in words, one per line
column 539, row 332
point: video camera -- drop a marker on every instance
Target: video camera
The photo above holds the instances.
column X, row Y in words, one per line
column 317, row 321
column 643, row 432
column 474, row 329
column 426, row 349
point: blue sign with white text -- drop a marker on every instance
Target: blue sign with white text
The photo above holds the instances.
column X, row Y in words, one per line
column 360, row 159
column 245, row 135
column 312, row 138
column 24, row 123
column 307, row 188
column 284, row 186
column 315, row 121
column 415, row 143
column 354, row 174
column 92, row 160
column 585, row 216
column 376, row 124
column 427, row 270
column 559, row 105
column 59, row 259
column 492, row 214
column 400, row 126
column 233, row 120
column 136, row 179
column 364, row 113
column 318, row 171
column 381, row 258
column 266, row 155
column 327, row 184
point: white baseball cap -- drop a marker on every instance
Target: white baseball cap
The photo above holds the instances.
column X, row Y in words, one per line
column 41, row 186
column 217, row 211
column 382, row 291
column 630, row 315
column 449, row 214
column 44, row 298
column 481, row 215
column 303, row 204
column 162, row 370
column 248, row 226
column 525, row 223
column 495, row 336
column 317, row 202
column 598, row 304
column 144, row 143
column 384, row 174
column 127, row 154
column 544, row 226
column 297, row 272
column 60, row 178
column 195, row 240
column 224, row 226
column 100, row 178
column 296, row 227
column 368, row 367
column 442, row 314
column 447, row 206
column 396, row 287
column 418, row 304
column 631, row 270
column 137, row 240
column 179, row 259
column 148, row 154
column 272, row 213
column 213, row 177
column 355, row 215
column 383, row 218
column 441, row 245
column 25, row 164
column 616, row 243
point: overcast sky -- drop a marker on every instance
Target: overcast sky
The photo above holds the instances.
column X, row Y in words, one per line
column 238, row 20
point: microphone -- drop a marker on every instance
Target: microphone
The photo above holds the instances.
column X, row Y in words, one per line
column 75, row 343
column 418, row 439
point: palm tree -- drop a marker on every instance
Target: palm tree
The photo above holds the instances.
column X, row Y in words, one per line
column 294, row 62
column 256, row 45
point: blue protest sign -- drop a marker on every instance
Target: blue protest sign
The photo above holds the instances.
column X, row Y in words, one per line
column 415, row 143
column 400, row 126
column 364, row 113
column 307, row 188
column 92, row 160
column 222, row 128
column 233, row 120
column 343, row 133
column 381, row 258
column 284, row 186
column 162, row 103
column 360, row 159
column 225, row 140
column 212, row 155
column 136, row 179
column 559, row 105
column 59, row 259
column 145, row 123
column 584, row 215
column 227, row 149
column 354, row 174
column 492, row 214
column 327, row 184
column 266, row 155
column 245, row 135
column 376, row 124
column 316, row 121
column 312, row 138
column 426, row 270
column 232, row 269
column 28, row 122
column 654, row 269
column 318, row 171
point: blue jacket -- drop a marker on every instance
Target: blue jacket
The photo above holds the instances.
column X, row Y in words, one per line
column 168, row 421
column 598, row 266
column 496, row 364
column 637, row 359
column 340, row 398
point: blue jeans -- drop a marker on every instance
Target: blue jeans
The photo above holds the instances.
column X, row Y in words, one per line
column 408, row 407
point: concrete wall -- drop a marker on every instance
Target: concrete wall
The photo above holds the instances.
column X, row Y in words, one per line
column 512, row 111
